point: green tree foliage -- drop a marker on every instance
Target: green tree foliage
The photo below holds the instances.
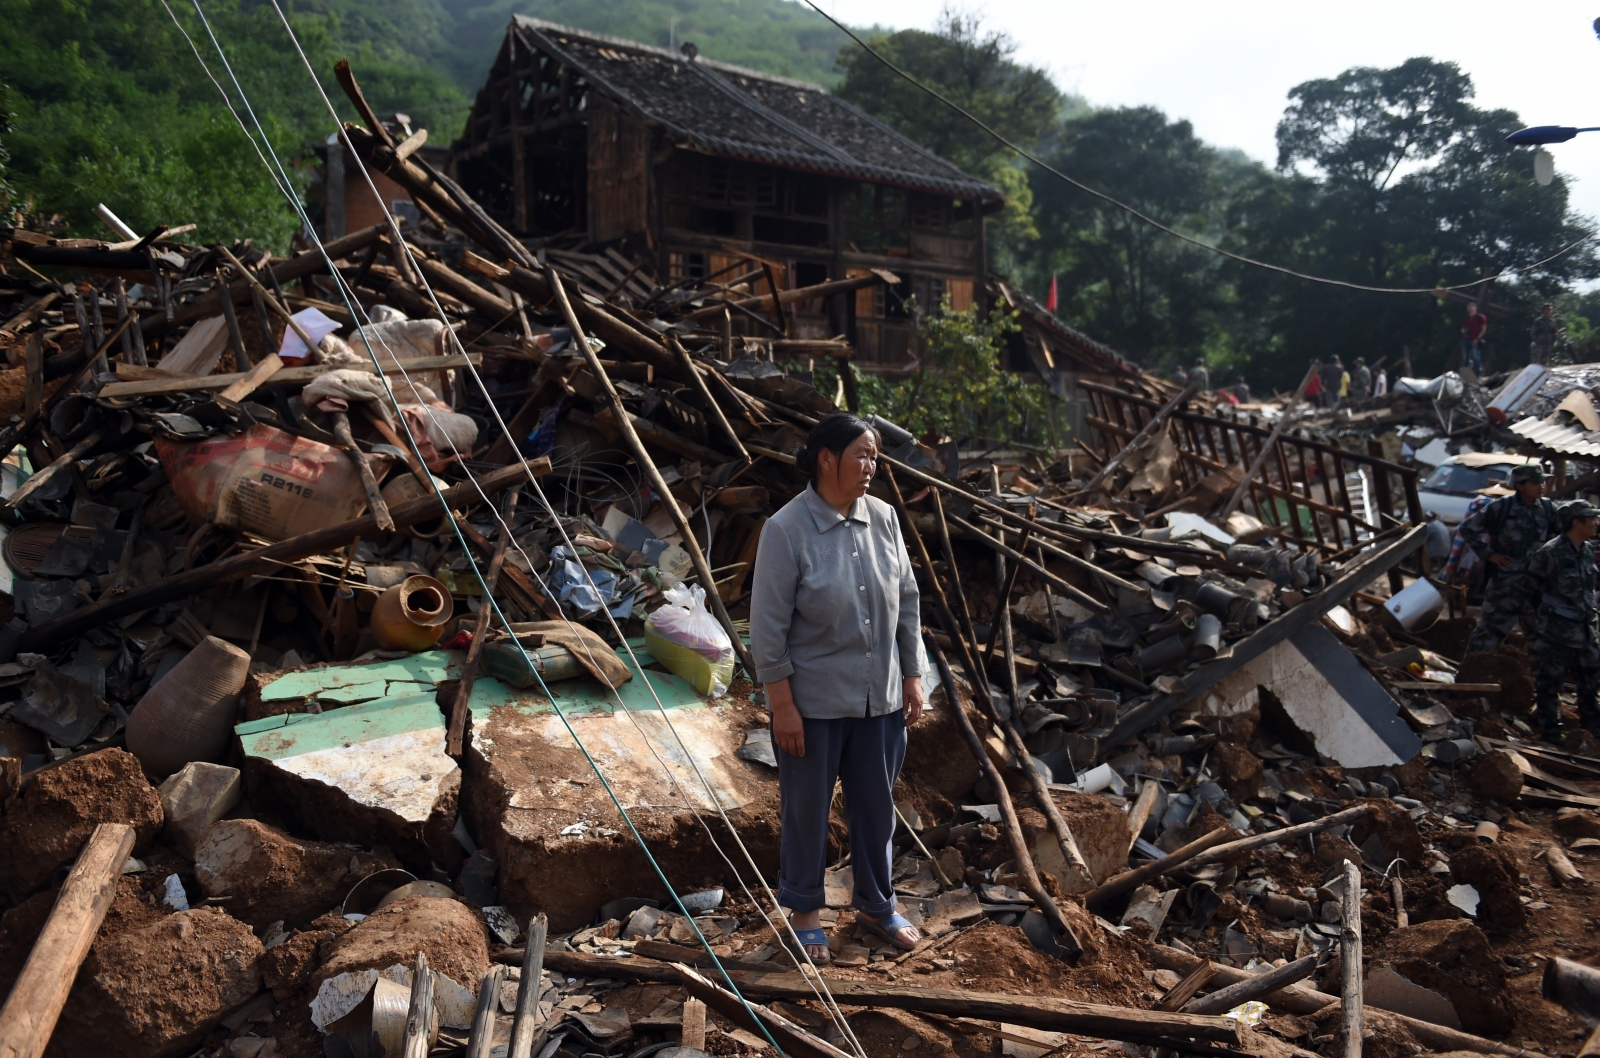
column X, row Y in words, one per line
column 971, row 67
column 111, row 105
column 1141, row 291
column 1404, row 184
column 958, row 389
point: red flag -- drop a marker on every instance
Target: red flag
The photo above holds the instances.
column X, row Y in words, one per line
column 1050, row 302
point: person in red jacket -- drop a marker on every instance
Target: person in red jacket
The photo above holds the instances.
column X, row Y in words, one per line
column 1314, row 386
column 1473, row 329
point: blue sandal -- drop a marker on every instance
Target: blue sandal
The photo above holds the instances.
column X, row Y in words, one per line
column 888, row 929
column 814, row 938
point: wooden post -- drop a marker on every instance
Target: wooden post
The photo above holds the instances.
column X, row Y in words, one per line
column 482, row 1036
column 1385, row 498
column 1131, row 880
column 469, row 668
column 1026, row 871
column 40, row 993
column 422, row 1021
column 1141, row 810
column 523, row 1028
column 694, row 1024
column 624, row 422
column 1184, row 990
column 705, row 394
column 1397, row 894
column 1350, row 960
column 369, row 483
column 241, row 357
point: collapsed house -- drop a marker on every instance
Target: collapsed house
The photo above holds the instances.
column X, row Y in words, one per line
column 347, row 707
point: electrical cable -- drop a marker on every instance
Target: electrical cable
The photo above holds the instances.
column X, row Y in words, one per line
column 405, row 248
column 1134, row 212
column 539, row 491
column 350, row 304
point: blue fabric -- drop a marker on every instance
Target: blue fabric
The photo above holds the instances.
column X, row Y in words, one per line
column 865, row 755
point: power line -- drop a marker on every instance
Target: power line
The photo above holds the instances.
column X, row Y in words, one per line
column 1136, row 213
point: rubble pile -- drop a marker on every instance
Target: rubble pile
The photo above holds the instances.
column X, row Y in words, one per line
column 279, row 778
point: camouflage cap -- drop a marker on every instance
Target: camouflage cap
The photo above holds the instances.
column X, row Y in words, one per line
column 1527, row 472
column 1575, row 509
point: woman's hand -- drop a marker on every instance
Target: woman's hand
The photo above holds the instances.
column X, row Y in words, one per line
column 911, row 694
column 788, row 729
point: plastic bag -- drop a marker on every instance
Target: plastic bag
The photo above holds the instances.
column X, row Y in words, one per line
column 685, row 638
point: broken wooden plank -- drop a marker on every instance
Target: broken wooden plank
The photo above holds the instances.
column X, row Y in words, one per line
column 1225, row 999
column 36, row 1000
column 523, row 1029
column 287, row 376
column 1128, row 881
column 1354, row 1014
column 254, row 378
column 1274, row 837
column 791, row 1038
column 1041, row 1012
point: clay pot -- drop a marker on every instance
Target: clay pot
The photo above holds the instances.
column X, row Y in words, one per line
column 411, row 615
column 188, row 715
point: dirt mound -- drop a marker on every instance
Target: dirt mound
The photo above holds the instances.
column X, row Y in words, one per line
column 158, row 990
column 269, row 875
column 1509, row 670
column 44, row 830
column 1576, row 823
column 20, row 927
column 1496, row 776
column 1394, row 828
column 1449, row 636
column 1493, row 872
column 1238, row 770
column 445, row 930
column 1453, row 959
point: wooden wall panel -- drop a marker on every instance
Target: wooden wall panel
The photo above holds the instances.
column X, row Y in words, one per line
column 619, row 173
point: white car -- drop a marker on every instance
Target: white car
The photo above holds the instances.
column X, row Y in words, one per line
column 1456, row 482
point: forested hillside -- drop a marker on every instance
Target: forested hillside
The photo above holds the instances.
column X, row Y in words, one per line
column 1384, row 177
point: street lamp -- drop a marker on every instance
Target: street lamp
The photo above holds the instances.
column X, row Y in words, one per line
column 1544, row 163
column 1542, row 134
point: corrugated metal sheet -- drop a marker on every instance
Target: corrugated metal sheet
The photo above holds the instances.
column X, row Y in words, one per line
column 1567, row 440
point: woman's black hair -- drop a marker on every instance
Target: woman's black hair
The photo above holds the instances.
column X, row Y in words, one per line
column 835, row 432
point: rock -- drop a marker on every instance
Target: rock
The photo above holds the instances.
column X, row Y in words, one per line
column 1394, row 827
column 1492, row 870
column 196, row 797
column 1237, row 769
column 158, row 990
column 269, row 875
column 374, row 772
column 519, row 801
column 1576, row 823
column 1452, row 957
column 1496, row 776
column 445, row 930
column 1099, row 828
column 287, row 966
column 45, row 828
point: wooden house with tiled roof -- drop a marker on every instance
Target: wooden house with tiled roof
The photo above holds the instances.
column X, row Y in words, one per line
column 697, row 165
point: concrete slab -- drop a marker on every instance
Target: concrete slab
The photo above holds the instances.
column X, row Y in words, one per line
column 374, row 773
column 537, row 807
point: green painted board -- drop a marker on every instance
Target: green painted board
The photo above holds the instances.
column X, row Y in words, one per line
column 291, row 734
column 354, row 692
column 430, row 666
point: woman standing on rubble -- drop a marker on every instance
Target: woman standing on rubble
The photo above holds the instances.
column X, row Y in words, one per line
column 836, row 635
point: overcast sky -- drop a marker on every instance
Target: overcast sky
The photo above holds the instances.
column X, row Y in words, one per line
column 1228, row 66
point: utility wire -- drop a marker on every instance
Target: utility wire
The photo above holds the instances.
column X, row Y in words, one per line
column 825, row 997
column 350, row 303
column 1136, row 213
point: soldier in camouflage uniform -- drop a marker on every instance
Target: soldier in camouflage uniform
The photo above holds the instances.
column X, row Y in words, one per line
column 1503, row 534
column 1566, row 630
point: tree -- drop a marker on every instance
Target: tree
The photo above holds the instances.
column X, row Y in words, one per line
column 1404, row 184
column 972, row 67
column 1147, row 294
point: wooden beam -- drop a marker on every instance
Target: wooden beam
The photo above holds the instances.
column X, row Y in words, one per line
column 36, row 1000
column 287, row 376
column 1147, row 431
